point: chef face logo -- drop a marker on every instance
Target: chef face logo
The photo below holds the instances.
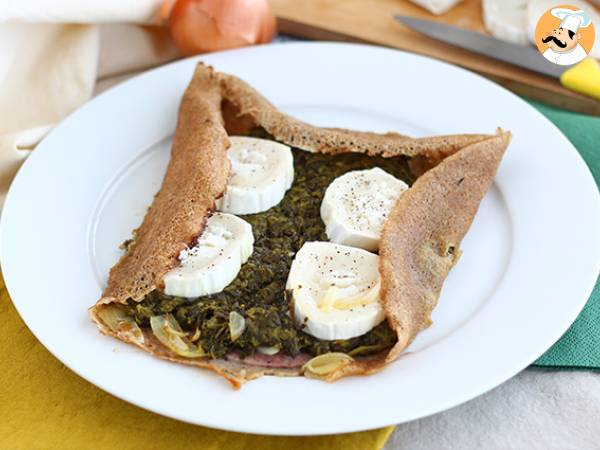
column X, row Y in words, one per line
column 565, row 35
column 561, row 40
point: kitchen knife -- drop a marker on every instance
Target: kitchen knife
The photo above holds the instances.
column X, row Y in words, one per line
column 583, row 77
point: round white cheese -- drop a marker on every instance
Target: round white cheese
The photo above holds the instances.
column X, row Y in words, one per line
column 356, row 205
column 213, row 263
column 262, row 171
column 335, row 290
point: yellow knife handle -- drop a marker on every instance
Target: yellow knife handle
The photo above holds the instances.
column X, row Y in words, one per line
column 584, row 77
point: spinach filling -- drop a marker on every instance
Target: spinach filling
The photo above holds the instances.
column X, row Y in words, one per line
column 258, row 292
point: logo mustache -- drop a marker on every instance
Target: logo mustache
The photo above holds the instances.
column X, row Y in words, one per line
column 555, row 40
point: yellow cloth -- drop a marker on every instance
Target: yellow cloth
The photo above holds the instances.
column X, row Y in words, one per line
column 43, row 405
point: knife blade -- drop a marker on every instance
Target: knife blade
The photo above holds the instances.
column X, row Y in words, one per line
column 518, row 55
column 583, row 77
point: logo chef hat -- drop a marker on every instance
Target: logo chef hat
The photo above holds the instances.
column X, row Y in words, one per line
column 571, row 20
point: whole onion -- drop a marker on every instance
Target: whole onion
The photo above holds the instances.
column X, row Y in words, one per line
column 199, row 26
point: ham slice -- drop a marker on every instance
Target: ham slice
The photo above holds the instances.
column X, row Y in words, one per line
column 279, row 360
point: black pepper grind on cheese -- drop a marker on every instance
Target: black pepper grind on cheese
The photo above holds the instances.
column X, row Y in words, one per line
column 258, row 292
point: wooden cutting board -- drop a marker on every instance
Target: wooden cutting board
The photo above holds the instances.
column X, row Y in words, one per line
column 371, row 21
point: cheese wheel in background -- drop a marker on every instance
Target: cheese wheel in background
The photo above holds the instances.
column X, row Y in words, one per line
column 436, row 6
column 507, row 20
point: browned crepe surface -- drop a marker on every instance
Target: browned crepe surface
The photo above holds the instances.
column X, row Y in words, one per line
column 197, row 173
column 244, row 108
column 421, row 238
column 433, row 215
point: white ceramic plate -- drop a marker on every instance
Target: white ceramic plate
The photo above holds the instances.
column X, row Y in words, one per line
column 529, row 262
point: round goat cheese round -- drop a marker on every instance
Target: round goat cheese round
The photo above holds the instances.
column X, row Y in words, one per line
column 262, row 171
column 335, row 290
column 356, row 205
column 506, row 20
column 213, row 263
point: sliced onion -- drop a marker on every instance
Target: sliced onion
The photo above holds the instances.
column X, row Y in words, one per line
column 269, row 351
column 169, row 333
column 237, row 325
column 327, row 363
column 364, row 349
column 196, row 335
column 121, row 323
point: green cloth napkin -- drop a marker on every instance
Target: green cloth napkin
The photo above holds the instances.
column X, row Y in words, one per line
column 579, row 347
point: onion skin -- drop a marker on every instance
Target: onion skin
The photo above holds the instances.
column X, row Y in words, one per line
column 199, row 26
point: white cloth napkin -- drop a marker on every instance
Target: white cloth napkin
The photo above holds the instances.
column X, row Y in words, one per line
column 79, row 11
column 51, row 56
column 537, row 409
column 46, row 71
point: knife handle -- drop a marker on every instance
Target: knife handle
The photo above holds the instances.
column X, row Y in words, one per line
column 584, row 77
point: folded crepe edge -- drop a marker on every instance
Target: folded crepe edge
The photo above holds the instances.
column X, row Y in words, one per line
column 215, row 103
column 438, row 210
column 421, row 240
column 244, row 108
column 178, row 213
